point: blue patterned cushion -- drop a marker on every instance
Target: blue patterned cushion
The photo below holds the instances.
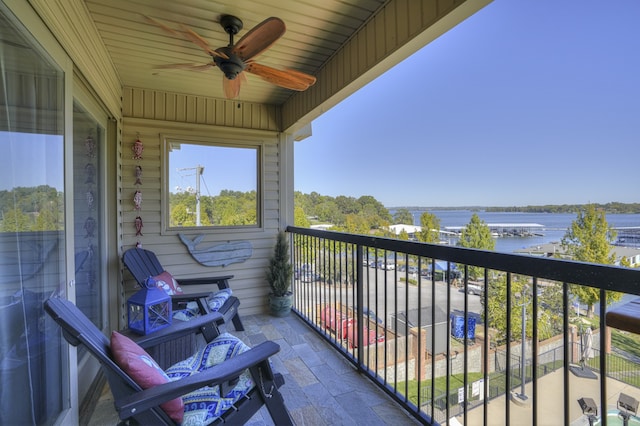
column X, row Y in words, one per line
column 191, row 311
column 218, row 299
column 205, row 405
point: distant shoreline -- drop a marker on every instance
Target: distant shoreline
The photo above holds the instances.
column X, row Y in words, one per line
column 609, row 208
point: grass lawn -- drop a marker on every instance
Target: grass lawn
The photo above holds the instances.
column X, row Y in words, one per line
column 626, row 341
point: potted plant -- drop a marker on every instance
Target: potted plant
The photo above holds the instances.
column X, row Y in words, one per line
column 279, row 275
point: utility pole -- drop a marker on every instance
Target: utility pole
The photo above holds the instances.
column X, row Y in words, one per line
column 199, row 171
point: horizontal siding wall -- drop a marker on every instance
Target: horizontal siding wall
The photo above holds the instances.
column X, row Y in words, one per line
column 249, row 277
column 70, row 22
column 158, row 105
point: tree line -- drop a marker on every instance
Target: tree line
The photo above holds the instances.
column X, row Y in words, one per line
column 609, row 208
column 39, row 208
column 229, row 208
column 588, row 239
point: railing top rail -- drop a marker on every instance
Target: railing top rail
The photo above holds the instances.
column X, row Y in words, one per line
column 612, row 278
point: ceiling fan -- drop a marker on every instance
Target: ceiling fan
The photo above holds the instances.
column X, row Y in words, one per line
column 237, row 58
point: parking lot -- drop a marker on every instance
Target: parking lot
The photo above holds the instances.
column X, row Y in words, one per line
column 388, row 292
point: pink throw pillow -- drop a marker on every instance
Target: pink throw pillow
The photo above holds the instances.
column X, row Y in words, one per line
column 143, row 369
column 166, row 282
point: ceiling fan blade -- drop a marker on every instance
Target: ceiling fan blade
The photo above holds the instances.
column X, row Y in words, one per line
column 188, row 67
column 231, row 88
column 163, row 26
column 201, row 42
column 189, row 34
column 294, row 80
column 309, row 79
column 259, row 38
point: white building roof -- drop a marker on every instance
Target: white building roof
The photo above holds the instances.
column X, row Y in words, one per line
column 409, row 229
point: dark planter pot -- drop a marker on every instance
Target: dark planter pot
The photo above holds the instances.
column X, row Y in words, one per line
column 280, row 306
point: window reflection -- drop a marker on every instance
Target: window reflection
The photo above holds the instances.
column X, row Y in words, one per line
column 212, row 185
column 32, row 243
column 88, row 140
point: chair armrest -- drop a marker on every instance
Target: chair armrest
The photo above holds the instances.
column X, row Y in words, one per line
column 221, row 281
column 213, row 376
column 188, row 297
column 200, row 298
column 207, row 325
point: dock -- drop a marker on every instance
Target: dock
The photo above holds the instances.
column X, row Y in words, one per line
column 507, row 229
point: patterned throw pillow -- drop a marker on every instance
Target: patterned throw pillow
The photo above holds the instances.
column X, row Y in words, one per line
column 192, row 310
column 205, row 405
column 143, row 369
column 217, row 300
column 166, row 282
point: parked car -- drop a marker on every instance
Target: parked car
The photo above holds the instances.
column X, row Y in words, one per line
column 309, row 277
column 475, row 289
column 371, row 314
column 386, row 265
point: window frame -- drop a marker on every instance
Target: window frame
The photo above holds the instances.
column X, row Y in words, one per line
column 243, row 143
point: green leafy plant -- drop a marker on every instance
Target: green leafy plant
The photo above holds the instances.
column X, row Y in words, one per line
column 280, row 271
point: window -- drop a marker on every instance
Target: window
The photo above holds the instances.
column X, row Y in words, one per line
column 88, row 193
column 211, row 185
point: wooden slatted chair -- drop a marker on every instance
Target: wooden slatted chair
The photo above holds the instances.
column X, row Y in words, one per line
column 137, row 406
column 144, row 264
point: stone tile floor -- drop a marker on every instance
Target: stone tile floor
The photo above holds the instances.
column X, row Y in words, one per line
column 321, row 387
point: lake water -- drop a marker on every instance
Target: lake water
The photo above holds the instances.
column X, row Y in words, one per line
column 554, row 225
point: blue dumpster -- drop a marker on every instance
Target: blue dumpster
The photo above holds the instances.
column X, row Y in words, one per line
column 457, row 327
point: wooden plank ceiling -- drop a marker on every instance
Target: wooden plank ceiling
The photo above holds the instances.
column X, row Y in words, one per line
column 315, row 31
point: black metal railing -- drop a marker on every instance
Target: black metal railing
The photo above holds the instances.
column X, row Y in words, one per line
column 439, row 328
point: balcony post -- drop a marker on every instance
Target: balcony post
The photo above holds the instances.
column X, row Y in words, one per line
column 360, row 307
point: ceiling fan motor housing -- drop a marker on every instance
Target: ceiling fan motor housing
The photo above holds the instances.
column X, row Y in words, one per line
column 230, row 67
column 234, row 65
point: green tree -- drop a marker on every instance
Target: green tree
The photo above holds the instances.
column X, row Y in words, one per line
column 328, row 211
column 356, row 224
column 348, row 205
column 403, row 216
column 47, row 220
column 15, row 220
column 181, row 217
column 300, row 218
column 624, row 261
column 549, row 319
column 476, row 235
column 496, row 306
column 376, row 214
column 588, row 240
column 430, row 228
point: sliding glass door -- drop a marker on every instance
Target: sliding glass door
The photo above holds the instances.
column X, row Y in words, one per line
column 34, row 361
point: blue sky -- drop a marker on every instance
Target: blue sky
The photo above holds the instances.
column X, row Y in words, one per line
column 227, row 168
column 36, row 150
column 527, row 102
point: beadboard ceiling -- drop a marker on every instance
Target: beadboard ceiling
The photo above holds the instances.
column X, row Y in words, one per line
column 315, row 31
